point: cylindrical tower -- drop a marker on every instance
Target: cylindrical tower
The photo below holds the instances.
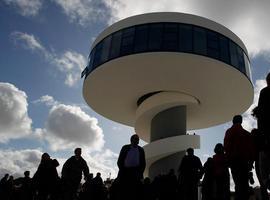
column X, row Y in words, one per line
column 165, row 73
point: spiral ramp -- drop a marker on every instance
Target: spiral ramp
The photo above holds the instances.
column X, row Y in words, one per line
column 164, row 148
column 161, row 121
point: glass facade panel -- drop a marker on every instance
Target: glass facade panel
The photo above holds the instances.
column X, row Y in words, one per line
column 224, row 49
column 174, row 37
column 155, row 37
column 115, row 45
column 185, row 38
column 97, row 57
column 240, row 58
column 247, row 66
column 170, row 37
column 234, row 54
column 127, row 41
column 91, row 60
column 141, row 38
column 199, row 43
column 212, row 44
column 106, row 49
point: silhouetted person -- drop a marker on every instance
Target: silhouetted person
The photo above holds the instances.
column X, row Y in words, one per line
column 169, row 186
column 24, row 186
column 148, row 190
column 98, row 180
column 221, row 173
column 4, row 187
column 259, row 144
column 46, row 178
column 240, row 153
column 263, row 122
column 190, row 171
column 99, row 190
column 264, row 109
column 10, row 188
column 208, row 191
column 115, row 190
column 72, row 174
column 87, row 188
column 131, row 164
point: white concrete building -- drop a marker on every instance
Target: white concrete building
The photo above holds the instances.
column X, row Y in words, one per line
column 164, row 74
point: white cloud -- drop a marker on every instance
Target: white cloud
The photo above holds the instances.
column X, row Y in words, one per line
column 247, row 18
column 69, row 127
column 83, row 12
column 29, row 41
column 244, row 17
column 66, row 127
column 26, row 7
column 70, row 63
column 14, row 119
column 103, row 162
column 15, row 162
column 47, row 100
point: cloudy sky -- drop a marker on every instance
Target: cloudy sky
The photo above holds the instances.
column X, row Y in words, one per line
column 44, row 47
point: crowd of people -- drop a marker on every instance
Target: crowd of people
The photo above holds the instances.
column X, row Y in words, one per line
column 240, row 152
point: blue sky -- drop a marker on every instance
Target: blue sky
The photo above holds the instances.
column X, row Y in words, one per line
column 44, row 47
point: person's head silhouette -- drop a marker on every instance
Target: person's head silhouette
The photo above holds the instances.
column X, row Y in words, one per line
column 78, row 152
column 219, row 149
column 237, row 119
column 45, row 157
column 134, row 140
column 27, row 174
column 190, row 151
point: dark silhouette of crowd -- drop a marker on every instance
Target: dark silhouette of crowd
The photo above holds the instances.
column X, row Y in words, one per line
column 240, row 153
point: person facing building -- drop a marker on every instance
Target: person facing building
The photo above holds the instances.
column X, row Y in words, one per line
column 72, row 173
column 131, row 164
column 46, row 177
column 221, row 173
column 262, row 113
column 264, row 109
column 240, row 153
column 190, row 171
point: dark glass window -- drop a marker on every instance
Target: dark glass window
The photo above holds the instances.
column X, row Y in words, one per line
column 115, row 45
column 91, row 60
column 240, row 58
column 97, row 58
column 199, row 40
column 106, row 49
column 233, row 54
column 174, row 37
column 247, row 66
column 141, row 38
column 155, row 37
column 212, row 44
column 127, row 41
column 185, row 38
column 170, row 37
column 224, row 49
column 237, row 57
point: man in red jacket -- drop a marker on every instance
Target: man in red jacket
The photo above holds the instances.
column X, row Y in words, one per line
column 240, row 153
